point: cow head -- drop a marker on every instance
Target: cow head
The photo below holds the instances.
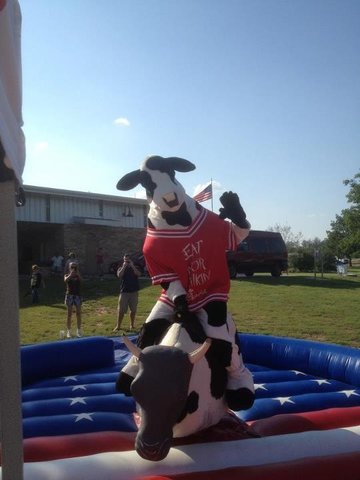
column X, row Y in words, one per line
column 170, row 206
column 161, row 392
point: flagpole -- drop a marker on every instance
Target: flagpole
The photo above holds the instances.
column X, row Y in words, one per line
column 212, row 196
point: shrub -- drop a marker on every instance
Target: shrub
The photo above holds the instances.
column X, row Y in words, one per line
column 302, row 260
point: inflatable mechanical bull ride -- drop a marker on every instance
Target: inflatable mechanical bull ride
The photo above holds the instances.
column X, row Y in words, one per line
column 179, row 389
column 185, row 252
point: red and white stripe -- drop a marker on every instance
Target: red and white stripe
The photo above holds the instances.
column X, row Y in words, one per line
column 310, row 448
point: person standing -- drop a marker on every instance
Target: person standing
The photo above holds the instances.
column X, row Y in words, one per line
column 57, row 264
column 71, row 259
column 129, row 275
column 36, row 281
column 73, row 298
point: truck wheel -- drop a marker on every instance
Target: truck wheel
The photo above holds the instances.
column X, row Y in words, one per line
column 232, row 270
column 276, row 271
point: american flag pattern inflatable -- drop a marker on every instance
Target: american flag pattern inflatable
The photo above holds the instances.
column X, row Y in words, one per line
column 305, row 420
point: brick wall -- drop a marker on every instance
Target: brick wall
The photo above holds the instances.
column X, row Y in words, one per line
column 84, row 240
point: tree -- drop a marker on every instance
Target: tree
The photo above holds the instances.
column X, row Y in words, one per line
column 344, row 236
column 354, row 194
column 292, row 240
column 312, row 255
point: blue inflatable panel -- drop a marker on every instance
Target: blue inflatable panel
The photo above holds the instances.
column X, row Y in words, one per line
column 276, row 389
column 69, row 386
column 256, row 368
column 55, row 359
column 315, row 358
column 267, row 407
column 78, row 423
column 280, row 376
column 69, row 391
column 59, row 406
column 81, row 379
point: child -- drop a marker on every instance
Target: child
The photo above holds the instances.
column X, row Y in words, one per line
column 36, row 281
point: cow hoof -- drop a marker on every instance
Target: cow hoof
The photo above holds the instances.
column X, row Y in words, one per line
column 123, row 384
column 240, row 399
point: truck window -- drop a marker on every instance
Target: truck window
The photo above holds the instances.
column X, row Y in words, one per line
column 276, row 245
column 243, row 246
column 259, row 245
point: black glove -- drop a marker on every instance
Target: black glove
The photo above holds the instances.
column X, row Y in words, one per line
column 182, row 313
column 181, row 307
column 152, row 332
column 233, row 210
column 189, row 320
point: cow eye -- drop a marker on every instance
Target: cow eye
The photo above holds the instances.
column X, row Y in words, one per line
column 147, row 182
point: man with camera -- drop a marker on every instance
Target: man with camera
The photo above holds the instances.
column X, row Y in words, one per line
column 128, row 274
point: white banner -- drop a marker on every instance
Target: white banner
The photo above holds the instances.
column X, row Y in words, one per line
column 11, row 134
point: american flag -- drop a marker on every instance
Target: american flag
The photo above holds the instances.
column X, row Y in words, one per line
column 205, row 194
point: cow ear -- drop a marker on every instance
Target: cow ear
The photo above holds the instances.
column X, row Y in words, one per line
column 180, row 164
column 129, row 181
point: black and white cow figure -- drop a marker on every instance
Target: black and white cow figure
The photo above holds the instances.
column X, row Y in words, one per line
column 185, row 252
column 179, row 388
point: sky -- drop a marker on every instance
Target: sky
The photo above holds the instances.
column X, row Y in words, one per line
column 263, row 96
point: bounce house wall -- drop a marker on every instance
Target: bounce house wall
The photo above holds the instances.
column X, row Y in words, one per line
column 307, row 408
column 56, row 359
column 315, row 358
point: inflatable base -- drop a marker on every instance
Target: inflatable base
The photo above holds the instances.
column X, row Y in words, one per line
column 325, row 454
column 305, row 420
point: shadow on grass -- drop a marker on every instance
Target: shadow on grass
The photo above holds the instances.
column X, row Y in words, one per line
column 304, row 281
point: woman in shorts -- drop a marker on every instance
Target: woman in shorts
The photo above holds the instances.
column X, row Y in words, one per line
column 73, row 298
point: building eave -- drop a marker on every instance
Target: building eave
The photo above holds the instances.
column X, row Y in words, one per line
column 88, row 195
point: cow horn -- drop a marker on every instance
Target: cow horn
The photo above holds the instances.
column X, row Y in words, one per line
column 200, row 352
column 136, row 351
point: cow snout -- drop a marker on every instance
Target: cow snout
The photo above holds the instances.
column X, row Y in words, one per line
column 155, row 451
column 171, row 200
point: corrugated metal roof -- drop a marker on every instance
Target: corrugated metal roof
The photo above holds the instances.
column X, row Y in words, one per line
column 89, row 195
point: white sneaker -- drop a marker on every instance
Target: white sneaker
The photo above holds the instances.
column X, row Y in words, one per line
column 79, row 333
column 68, row 334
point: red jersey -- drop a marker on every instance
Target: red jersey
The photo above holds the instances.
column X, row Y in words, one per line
column 196, row 256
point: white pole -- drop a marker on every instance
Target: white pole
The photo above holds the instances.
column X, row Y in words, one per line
column 10, row 377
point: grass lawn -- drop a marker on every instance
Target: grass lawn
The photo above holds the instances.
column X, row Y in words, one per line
column 297, row 305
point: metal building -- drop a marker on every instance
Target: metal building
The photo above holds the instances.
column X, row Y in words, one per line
column 59, row 221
